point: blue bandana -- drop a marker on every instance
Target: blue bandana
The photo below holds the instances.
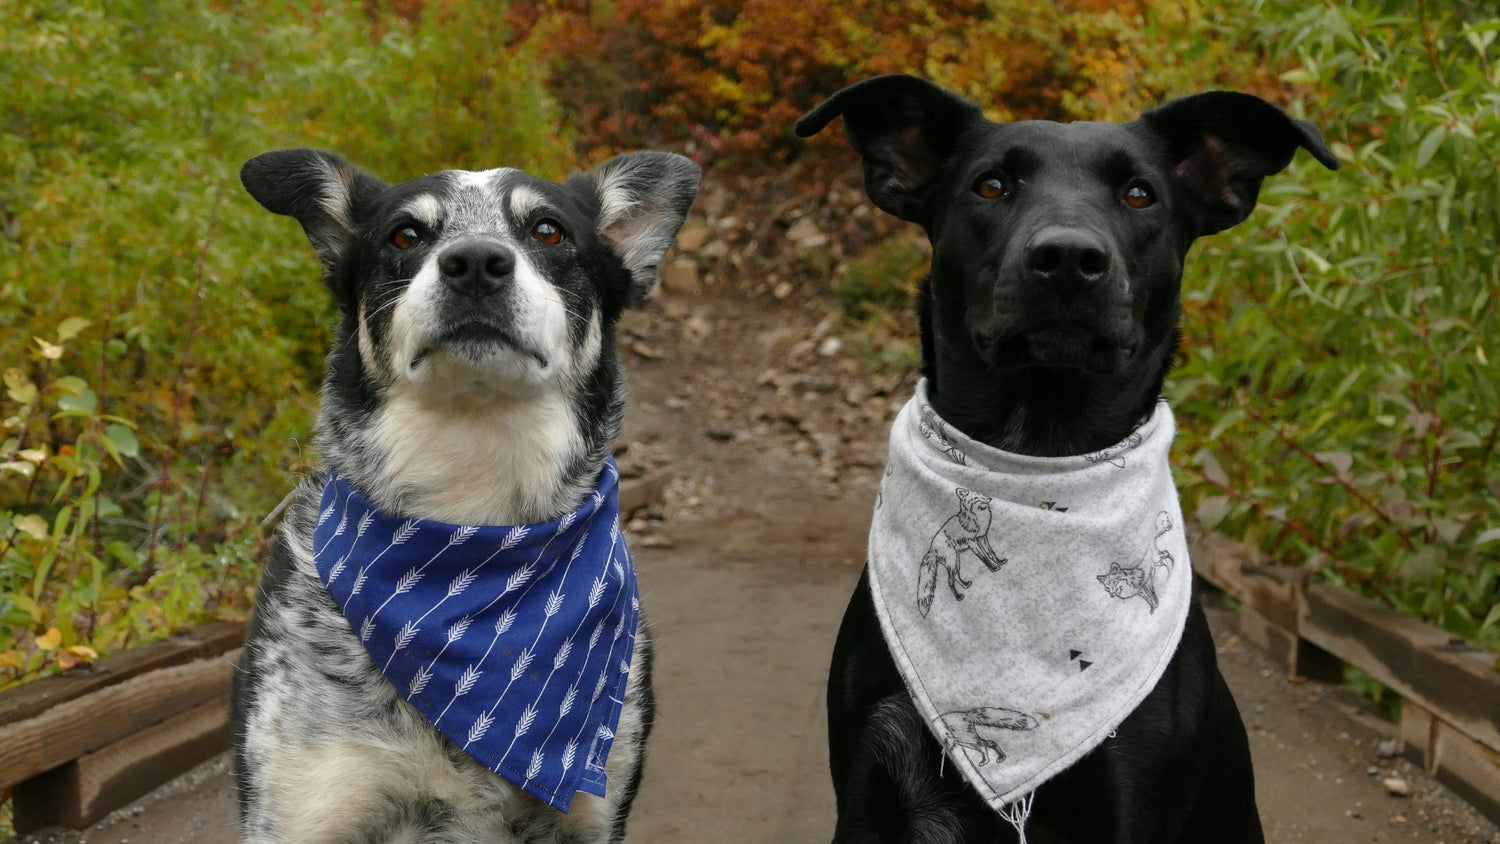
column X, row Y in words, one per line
column 515, row 642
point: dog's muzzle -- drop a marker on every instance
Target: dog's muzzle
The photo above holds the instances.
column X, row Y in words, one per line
column 1064, row 303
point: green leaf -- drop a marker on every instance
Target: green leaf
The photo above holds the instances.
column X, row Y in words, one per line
column 83, row 402
column 71, row 384
column 123, row 440
column 1213, row 510
column 31, row 524
column 1429, row 145
column 69, row 328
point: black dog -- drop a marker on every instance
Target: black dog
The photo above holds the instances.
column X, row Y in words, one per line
column 1048, row 324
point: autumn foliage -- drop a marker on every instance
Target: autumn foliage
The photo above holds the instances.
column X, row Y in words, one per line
column 732, row 77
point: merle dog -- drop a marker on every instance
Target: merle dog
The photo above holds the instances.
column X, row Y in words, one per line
column 473, row 380
column 1048, row 323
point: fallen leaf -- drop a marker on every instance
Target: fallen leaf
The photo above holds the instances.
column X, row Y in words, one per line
column 50, row 640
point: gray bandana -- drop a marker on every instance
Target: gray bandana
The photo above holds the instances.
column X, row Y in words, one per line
column 1030, row 602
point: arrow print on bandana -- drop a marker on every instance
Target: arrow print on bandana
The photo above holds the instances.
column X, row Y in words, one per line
column 1074, row 656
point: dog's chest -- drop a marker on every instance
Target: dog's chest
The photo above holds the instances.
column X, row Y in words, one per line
column 336, row 754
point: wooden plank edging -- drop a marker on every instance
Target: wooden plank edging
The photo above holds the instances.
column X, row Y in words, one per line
column 36, row 697
column 1450, row 688
column 74, row 727
column 81, row 792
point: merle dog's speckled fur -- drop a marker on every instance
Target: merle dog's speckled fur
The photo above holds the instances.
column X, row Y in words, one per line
column 1048, row 324
column 464, row 395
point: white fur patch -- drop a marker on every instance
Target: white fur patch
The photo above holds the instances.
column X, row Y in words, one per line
column 524, row 202
column 490, row 460
column 333, row 198
column 425, row 209
column 481, row 179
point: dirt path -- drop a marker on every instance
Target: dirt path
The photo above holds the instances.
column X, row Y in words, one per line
column 773, row 449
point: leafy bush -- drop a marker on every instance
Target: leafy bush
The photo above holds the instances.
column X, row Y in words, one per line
column 1341, row 408
column 873, row 293
column 163, row 333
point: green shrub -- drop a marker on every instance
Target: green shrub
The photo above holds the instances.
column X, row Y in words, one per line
column 873, row 294
column 1340, row 403
column 170, row 396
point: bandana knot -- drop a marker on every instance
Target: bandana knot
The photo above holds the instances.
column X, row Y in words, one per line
column 515, row 642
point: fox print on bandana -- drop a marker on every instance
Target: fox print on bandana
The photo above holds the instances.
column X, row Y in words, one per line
column 966, row 532
column 1044, row 528
column 1140, row 579
column 526, row 676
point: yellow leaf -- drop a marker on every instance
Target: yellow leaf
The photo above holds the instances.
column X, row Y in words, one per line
column 11, row 659
column 32, row 525
column 50, row 351
column 23, row 392
column 83, row 652
column 35, row 455
column 50, row 640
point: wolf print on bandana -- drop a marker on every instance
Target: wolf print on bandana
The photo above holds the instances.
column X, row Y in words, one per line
column 515, row 642
column 932, row 428
column 1115, row 454
column 1139, row 580
column 974, row 731
column 967, row 531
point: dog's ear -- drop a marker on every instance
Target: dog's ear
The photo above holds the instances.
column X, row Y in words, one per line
column 1223, row 143
column 904, row 128
column 642, row 200
column 322, row 191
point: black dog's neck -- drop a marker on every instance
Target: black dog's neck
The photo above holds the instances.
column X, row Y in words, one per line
column 1037, row 411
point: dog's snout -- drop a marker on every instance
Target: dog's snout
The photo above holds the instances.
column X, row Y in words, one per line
column 1058, row 254
column 477, row 268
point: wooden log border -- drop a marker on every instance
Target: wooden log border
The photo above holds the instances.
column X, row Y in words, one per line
column 77, row 746
column 1449, row 687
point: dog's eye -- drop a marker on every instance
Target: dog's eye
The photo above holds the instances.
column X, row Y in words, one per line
column 548, row 232
column 405, row 237
column 992, row 187
column 1139, row 196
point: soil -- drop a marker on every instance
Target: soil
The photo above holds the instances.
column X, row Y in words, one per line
column 771, row 440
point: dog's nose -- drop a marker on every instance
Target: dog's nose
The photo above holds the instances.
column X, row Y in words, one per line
column 1058, row 254
column 476, row 268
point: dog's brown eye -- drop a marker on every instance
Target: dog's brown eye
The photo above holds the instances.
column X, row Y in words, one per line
column 991, row 187
column 1139, row 196
column 405, row 237
column 547, row 232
